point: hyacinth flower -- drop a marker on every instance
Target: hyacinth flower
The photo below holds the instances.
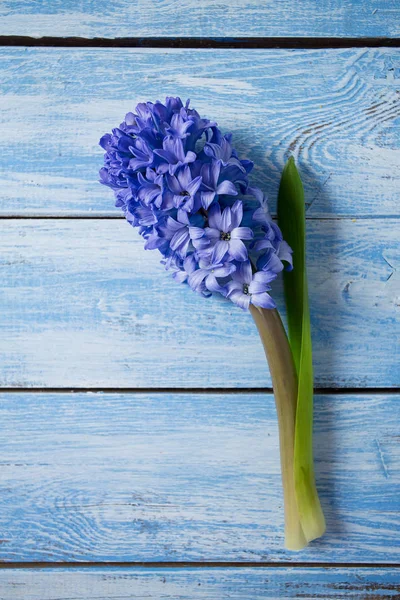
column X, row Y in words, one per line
column 178, row 179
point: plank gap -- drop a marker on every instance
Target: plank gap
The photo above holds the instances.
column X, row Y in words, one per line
column 193, row 390
column 195, row 564
column 201, row 43
column 117, row 216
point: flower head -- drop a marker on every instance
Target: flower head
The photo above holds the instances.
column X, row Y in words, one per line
column 247, row 288
column 184, row 189
column 179, row 180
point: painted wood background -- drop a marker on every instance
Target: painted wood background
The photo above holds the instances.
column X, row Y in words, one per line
column 190, row 477
column 83, row 305
column 336, row 110
column 195, row 584
column 207, row 19
column 139, row 451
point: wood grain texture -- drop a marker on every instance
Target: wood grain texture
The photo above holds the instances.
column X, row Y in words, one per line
column 336, row 111
column 82, row 304
column 185, row 18
column 202, row 584
column 190, row 477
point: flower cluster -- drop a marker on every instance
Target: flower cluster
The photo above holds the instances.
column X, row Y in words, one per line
column 179, row 180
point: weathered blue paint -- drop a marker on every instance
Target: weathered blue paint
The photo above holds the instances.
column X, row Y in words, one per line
column 186, row 18
column 336, row 111
column 182, row 476
column 199, row 584
column 172, row 477
column 83, row 304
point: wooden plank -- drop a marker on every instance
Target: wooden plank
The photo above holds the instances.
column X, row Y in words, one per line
column 336, row 111
column 190, row 477
column 122, row 18
column 191, row 584
column 82, row 304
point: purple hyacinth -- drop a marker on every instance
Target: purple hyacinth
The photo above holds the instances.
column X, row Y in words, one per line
column 184, row 189
column 247, row 288
column 174, row 155
column 225, row 234
column 213, row 184
column 205, row 278
column 179, row 180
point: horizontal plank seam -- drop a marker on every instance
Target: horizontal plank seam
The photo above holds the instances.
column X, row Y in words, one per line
column 111, row 217
column 202, row 43
column 205, row 391
column 196, row 564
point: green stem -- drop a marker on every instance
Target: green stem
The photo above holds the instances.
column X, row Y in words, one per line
column 291, row 220
column 284, row 381
column 311, row 515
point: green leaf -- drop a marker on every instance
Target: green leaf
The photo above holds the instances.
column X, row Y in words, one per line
column 291, row 220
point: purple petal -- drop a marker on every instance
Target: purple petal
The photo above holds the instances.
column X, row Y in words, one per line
column 263, row 300
column 148, row 194
column 214, row 173
column 184, row 202
column 260, row 215
column 273, row 264
column 150, row 174
column 142, row 180
column 180, row 238
column 146, row 217
column 196, row 233
column 173, row 184
column 228, row 188
column 238, row 250
column 106, row 142
column 190, row 157
column 184, row 247
column 224, row 271
column 258, row 287
column 242, row 233
column 166, row 155
column 190, row 264
column 261, row 281
column 220, row 249
column 262, row 245
column 207, row 198
column 214, row 217
column 285, row 253
column 244, row 273
column 237, row 213
column 209, row 150
column 177, row 146
column 202, row 246
column 180, row 276
column 239, row 298
column 264, row 277
column 213, row 285
column 183, row 217
column 212, row 234
column 226, row 219
column 193, row 186
column 173, row 225
column 196, row 278
column 184, row 177
column 233, row 286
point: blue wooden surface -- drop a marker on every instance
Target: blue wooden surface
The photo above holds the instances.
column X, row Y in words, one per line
column 199, row 584
column 128, row 476
column 336, row 111
column 83, row 304
column 185, row 18
column 183, row 477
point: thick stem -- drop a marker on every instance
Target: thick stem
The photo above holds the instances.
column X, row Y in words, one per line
column 284, row 381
